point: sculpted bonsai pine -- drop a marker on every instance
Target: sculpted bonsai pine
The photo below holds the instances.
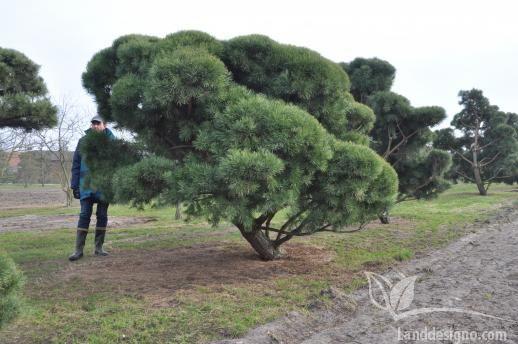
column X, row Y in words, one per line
column 487, row 150
column 23, row 94
column 23, row 104
column 402, row 133
column 238, row 130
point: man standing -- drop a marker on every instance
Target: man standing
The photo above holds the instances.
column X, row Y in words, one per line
column 88, row 197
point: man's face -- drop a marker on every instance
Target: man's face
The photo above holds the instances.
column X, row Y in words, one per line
column 97, row 126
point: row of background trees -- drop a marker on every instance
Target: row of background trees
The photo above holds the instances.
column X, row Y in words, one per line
column 43, row 155
column 402, row 134
column 482, row 140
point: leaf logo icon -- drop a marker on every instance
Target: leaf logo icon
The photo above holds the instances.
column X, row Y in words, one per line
column 377, row 284
column 402, row 295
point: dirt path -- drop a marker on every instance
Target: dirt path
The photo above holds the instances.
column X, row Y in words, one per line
column 478, row 273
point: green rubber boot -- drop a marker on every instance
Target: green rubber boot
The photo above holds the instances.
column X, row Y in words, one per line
column 99, row 241
column 80, row 244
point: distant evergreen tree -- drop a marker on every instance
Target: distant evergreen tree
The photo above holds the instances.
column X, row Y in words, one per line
column 369, row 76
column 401, row 133
column 23, row 104
column 23, row 100
column 239, row 130
column 487, row 151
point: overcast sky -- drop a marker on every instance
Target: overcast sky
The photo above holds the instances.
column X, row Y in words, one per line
column 438, row 47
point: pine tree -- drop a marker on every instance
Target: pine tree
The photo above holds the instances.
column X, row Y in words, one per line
column 240, row 131
column 23, row 104
column 23, row 100
column 401, row 133
column 487, row 151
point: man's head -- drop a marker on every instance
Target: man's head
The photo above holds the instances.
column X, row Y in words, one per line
column 97, row 123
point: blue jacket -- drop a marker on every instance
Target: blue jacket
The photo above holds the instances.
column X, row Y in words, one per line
column 80, row 171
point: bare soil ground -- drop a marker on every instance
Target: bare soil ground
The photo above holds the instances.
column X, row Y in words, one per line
column 50, row 222
column 47, row 197
column 156, row 275
column 31, row 198
column 478, row 273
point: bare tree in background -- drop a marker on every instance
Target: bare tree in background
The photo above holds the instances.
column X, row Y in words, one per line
column 12, row 140
column 58, row 140
column 28, row 168
column 43, row 160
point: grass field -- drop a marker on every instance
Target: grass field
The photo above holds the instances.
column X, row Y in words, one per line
column 169, row 281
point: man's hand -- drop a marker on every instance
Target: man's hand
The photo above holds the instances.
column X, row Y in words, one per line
column 77, row 194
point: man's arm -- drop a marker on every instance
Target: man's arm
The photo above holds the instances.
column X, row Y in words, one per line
column 76, row 169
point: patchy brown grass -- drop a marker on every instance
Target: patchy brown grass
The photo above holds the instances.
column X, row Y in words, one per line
column 156, row 275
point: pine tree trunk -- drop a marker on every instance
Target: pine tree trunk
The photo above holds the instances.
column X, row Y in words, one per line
column 384, row 217
column 480, row 185
column 476, row 169
column 260, row 243
column 178, row 213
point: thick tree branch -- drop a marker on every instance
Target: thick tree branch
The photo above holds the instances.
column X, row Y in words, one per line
column 292, row 233
column 467, row 126
column 389, row 144
column 428, row 181
column 404, row 199
column 465, row 176
column 360, row 227
column 490, row 161
column 267, row 225
column 403, row 141
column 291, row 219
column 323, row 228
column 462, row 156
column 496, row 176
column 486, row 145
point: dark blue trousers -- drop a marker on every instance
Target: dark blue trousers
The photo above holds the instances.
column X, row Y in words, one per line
column 87, row 205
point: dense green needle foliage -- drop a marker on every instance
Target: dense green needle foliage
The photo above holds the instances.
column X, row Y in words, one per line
column 369, row 76
column 23, row 104
column 239, row 130
column 401, row 133
column 10, row 283
column 23, row 101
column 487, row 150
